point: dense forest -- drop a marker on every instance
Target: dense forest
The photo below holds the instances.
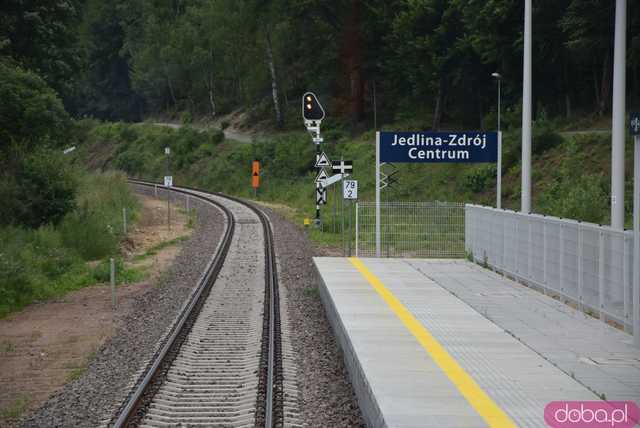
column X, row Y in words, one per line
column 417, row 63
column 124, row 59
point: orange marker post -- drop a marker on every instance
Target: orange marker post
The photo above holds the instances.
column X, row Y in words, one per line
column 255, row 176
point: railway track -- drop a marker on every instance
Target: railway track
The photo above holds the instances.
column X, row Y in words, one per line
column 221, row 363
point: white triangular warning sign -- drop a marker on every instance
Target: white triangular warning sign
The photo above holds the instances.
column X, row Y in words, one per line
column 322, row 160
column 321, row 177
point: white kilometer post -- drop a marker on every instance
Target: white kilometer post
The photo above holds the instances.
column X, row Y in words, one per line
column 636, row 242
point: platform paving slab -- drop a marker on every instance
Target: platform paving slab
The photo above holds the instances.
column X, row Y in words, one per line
column 396, row 381
column 596, row 354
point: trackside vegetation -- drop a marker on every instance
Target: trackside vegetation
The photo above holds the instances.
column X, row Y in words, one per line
column 392, row 64
column 52, row 259
column 571, row 171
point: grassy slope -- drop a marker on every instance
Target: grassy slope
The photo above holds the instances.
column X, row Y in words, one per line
column 52, row 260
column 570, row 173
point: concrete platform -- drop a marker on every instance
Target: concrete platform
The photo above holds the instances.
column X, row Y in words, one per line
column 446, row 343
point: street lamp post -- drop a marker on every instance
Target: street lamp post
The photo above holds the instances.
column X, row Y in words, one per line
column 525, row 196
column 617, row 116
column 498, row 77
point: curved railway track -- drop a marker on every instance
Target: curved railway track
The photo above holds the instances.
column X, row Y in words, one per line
column 221, row 362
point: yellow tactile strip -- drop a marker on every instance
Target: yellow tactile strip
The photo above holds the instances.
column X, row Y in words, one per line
column 492, row 414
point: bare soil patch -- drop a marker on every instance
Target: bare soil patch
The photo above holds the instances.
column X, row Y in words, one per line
column 49, row 344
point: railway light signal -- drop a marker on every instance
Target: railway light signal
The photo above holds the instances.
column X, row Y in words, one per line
column 312, row 110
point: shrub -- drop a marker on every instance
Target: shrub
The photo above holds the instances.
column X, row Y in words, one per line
column 215, row 136
column 15, row 274
column 40, row 191
column 87, row 231
column 544, row 135
column 476, row 179
column 102, row 272
column 584, row 198
column 48, row 261
column 130, row 161
column 128, row 134
column 186, row 118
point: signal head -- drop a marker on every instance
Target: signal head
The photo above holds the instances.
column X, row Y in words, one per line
column 311, row 108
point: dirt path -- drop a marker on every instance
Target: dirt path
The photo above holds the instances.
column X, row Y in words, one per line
column 229, row 133
column 48, row 344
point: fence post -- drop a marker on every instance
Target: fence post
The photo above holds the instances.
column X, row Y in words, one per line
column 517, row 240
column 530, row 255
column 493, row 246
column 580, row 276
column 601, row 276
column 357, row 229
column 625, row 284
column 155, row 190
column 504, row 241
column 124, row 220
column 544, row 254
column 112, row 272
column 561, row 265
column 377, row 233
column 350, row 205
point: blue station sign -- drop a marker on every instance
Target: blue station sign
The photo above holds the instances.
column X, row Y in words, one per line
column 439, row 147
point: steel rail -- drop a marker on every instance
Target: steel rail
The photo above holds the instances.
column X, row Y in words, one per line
column 134, row 402
column 272, row 380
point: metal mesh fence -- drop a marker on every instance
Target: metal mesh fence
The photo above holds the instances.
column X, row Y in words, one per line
column 411, row 229
column 588, row 265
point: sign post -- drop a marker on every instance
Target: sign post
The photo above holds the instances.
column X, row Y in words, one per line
column 312, row 114
column 432, row 147
column 168, row 183
column 255, row 177
column 634, row 128
column 342, row 213
column 350, row 193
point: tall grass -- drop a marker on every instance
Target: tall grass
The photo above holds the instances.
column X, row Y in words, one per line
column 49, row 261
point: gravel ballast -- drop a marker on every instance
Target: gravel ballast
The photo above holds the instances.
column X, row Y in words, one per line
column 92, row 398
column 327, row 398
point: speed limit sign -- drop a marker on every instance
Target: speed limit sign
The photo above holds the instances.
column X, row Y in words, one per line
column 350, row 189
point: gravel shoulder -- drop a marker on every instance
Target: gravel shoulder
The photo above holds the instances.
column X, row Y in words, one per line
column 91, row 398
column 327, row 397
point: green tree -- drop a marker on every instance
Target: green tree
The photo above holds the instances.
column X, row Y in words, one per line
column 108, row 92
column 43, row 36
column 36, row 188
column 588, row 25
column 30, row 112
